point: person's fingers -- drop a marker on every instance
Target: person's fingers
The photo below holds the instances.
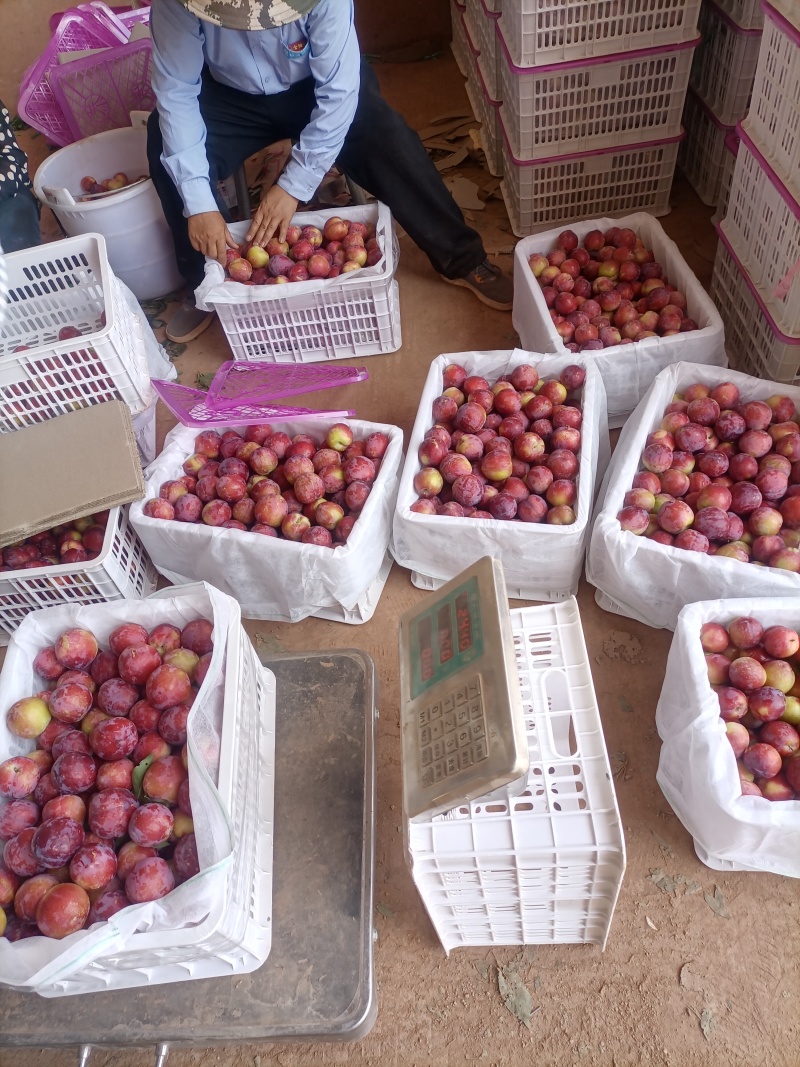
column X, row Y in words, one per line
column 219, row 250
column 229, row 241
column 255, row 224
column 284, row 226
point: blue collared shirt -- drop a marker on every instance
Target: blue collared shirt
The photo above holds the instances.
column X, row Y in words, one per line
column 322, row 45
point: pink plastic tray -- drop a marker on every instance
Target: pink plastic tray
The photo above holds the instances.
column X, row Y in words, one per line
column 191, row 407
column 257, row 383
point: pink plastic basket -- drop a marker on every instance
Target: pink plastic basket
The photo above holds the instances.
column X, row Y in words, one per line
column 99, row 92
column 191, row 407
column 91, row 25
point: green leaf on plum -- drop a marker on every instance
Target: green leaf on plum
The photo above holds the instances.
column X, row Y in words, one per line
column 139, row 773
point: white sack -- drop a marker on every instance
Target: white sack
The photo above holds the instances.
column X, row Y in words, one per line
column 697, row 768
column 40, row 961
column 158, row 362
column 540, row 562
column 272, row 578
column 215, row 290
column 627, row 370
column 640, row 578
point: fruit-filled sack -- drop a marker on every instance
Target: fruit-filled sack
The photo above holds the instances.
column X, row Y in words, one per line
column 698, row 771
column 36, row 962
column 643, row 579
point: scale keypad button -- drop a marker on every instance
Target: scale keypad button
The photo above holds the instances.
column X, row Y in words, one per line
column 452, row 734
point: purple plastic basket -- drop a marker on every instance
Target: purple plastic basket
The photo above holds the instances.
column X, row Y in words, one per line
column 191, row 407
column 237, row 381
column 92, row 25
column 98, row 93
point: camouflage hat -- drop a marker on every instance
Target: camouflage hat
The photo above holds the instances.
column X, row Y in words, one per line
column 249, row 14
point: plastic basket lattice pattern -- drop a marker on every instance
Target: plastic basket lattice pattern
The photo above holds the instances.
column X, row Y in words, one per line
column 582, row 107
column 544, row 867
column 122, row 571
column 556, row 31
column 726, row 176
column 612, row 182
column 725, row 64
column 774, row 117
column 752, row 340
column 701, row 155
column 763, row 227
column 99, row 92
column 458, row 44
column 67, row 283
column 745, row 13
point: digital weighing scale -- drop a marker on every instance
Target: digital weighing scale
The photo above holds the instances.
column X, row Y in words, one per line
column 461, row 718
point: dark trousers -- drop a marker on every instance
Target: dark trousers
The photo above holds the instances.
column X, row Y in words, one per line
column 380, row 153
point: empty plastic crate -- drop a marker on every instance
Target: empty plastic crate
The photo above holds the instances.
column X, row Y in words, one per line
column 67, row 283
column 702, row 153
column 745, row 13
column 347, row 317
column 122, row 571
column 754, row 342
column 484, row 108
column 763, row 227
column 773, row 121
column 604, row 182
column 544, row 867
column 725, row 64
column 726, row 175
column 99, row 92
column 480, row 25
column 557, row 31
column 590, row 104
column 458, row 44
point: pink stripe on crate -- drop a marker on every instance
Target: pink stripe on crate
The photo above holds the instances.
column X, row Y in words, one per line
column 489, row 99
column 781, row 22
column 592, row 61
column 569, row 156
column 732, row 142
column 731, row 23
column 786, row 196
column 489, row 14
column 753, row 290
column 704, row 106
column 471, row 46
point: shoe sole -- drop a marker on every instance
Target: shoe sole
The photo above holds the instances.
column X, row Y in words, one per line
column 478, row 294
column 183, row 339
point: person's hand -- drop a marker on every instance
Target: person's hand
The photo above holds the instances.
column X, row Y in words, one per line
column 273, row 216
column 209, row 235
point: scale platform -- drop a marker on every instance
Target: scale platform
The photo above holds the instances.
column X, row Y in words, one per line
column 318, row 981
column 461, row 717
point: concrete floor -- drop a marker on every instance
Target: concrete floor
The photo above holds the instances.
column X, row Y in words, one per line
column 632, row 1004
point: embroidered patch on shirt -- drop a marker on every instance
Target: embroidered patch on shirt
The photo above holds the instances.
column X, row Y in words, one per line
column 297, row 49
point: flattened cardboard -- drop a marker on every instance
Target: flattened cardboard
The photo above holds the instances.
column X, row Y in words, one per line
column 67, row 467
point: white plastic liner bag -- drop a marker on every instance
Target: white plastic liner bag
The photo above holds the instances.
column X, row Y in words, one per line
column 273, row 578
column 697, row 768
column 627, row 370
column 640, row 578
column 38, row 962
column 540, row 562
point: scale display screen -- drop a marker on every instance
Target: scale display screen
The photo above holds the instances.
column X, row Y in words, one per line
column 446, row 638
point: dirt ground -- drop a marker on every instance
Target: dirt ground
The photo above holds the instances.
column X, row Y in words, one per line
column 701, row 967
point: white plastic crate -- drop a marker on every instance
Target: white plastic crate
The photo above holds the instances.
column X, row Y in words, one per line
column 347, row 317
column 745, row 13
column 67, row 283
column 544, row 867
column 480, row 25
column 774, row 117
column 755, row 344
column 236, row 937
column 485, row 110
column 579, row 185
column 725, row 64
column 731, row 145
column 763, row 228
column 627, row 370
column 702, row 152
column 557, row 31
column 122, row 571
column 594, row 103
column 458, row 44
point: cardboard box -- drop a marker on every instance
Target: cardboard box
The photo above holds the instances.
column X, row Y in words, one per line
column 64, row 468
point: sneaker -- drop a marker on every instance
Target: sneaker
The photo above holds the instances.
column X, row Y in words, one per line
column 188, row 322
column 489, row 284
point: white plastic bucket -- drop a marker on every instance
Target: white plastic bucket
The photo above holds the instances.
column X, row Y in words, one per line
column 138, row 241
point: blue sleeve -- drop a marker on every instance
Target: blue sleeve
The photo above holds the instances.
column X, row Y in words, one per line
column 177, row 67
column 335, row 66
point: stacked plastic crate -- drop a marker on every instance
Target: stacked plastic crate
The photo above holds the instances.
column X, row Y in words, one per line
column 756, row 282
column 581, row 103
column 719, row 92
